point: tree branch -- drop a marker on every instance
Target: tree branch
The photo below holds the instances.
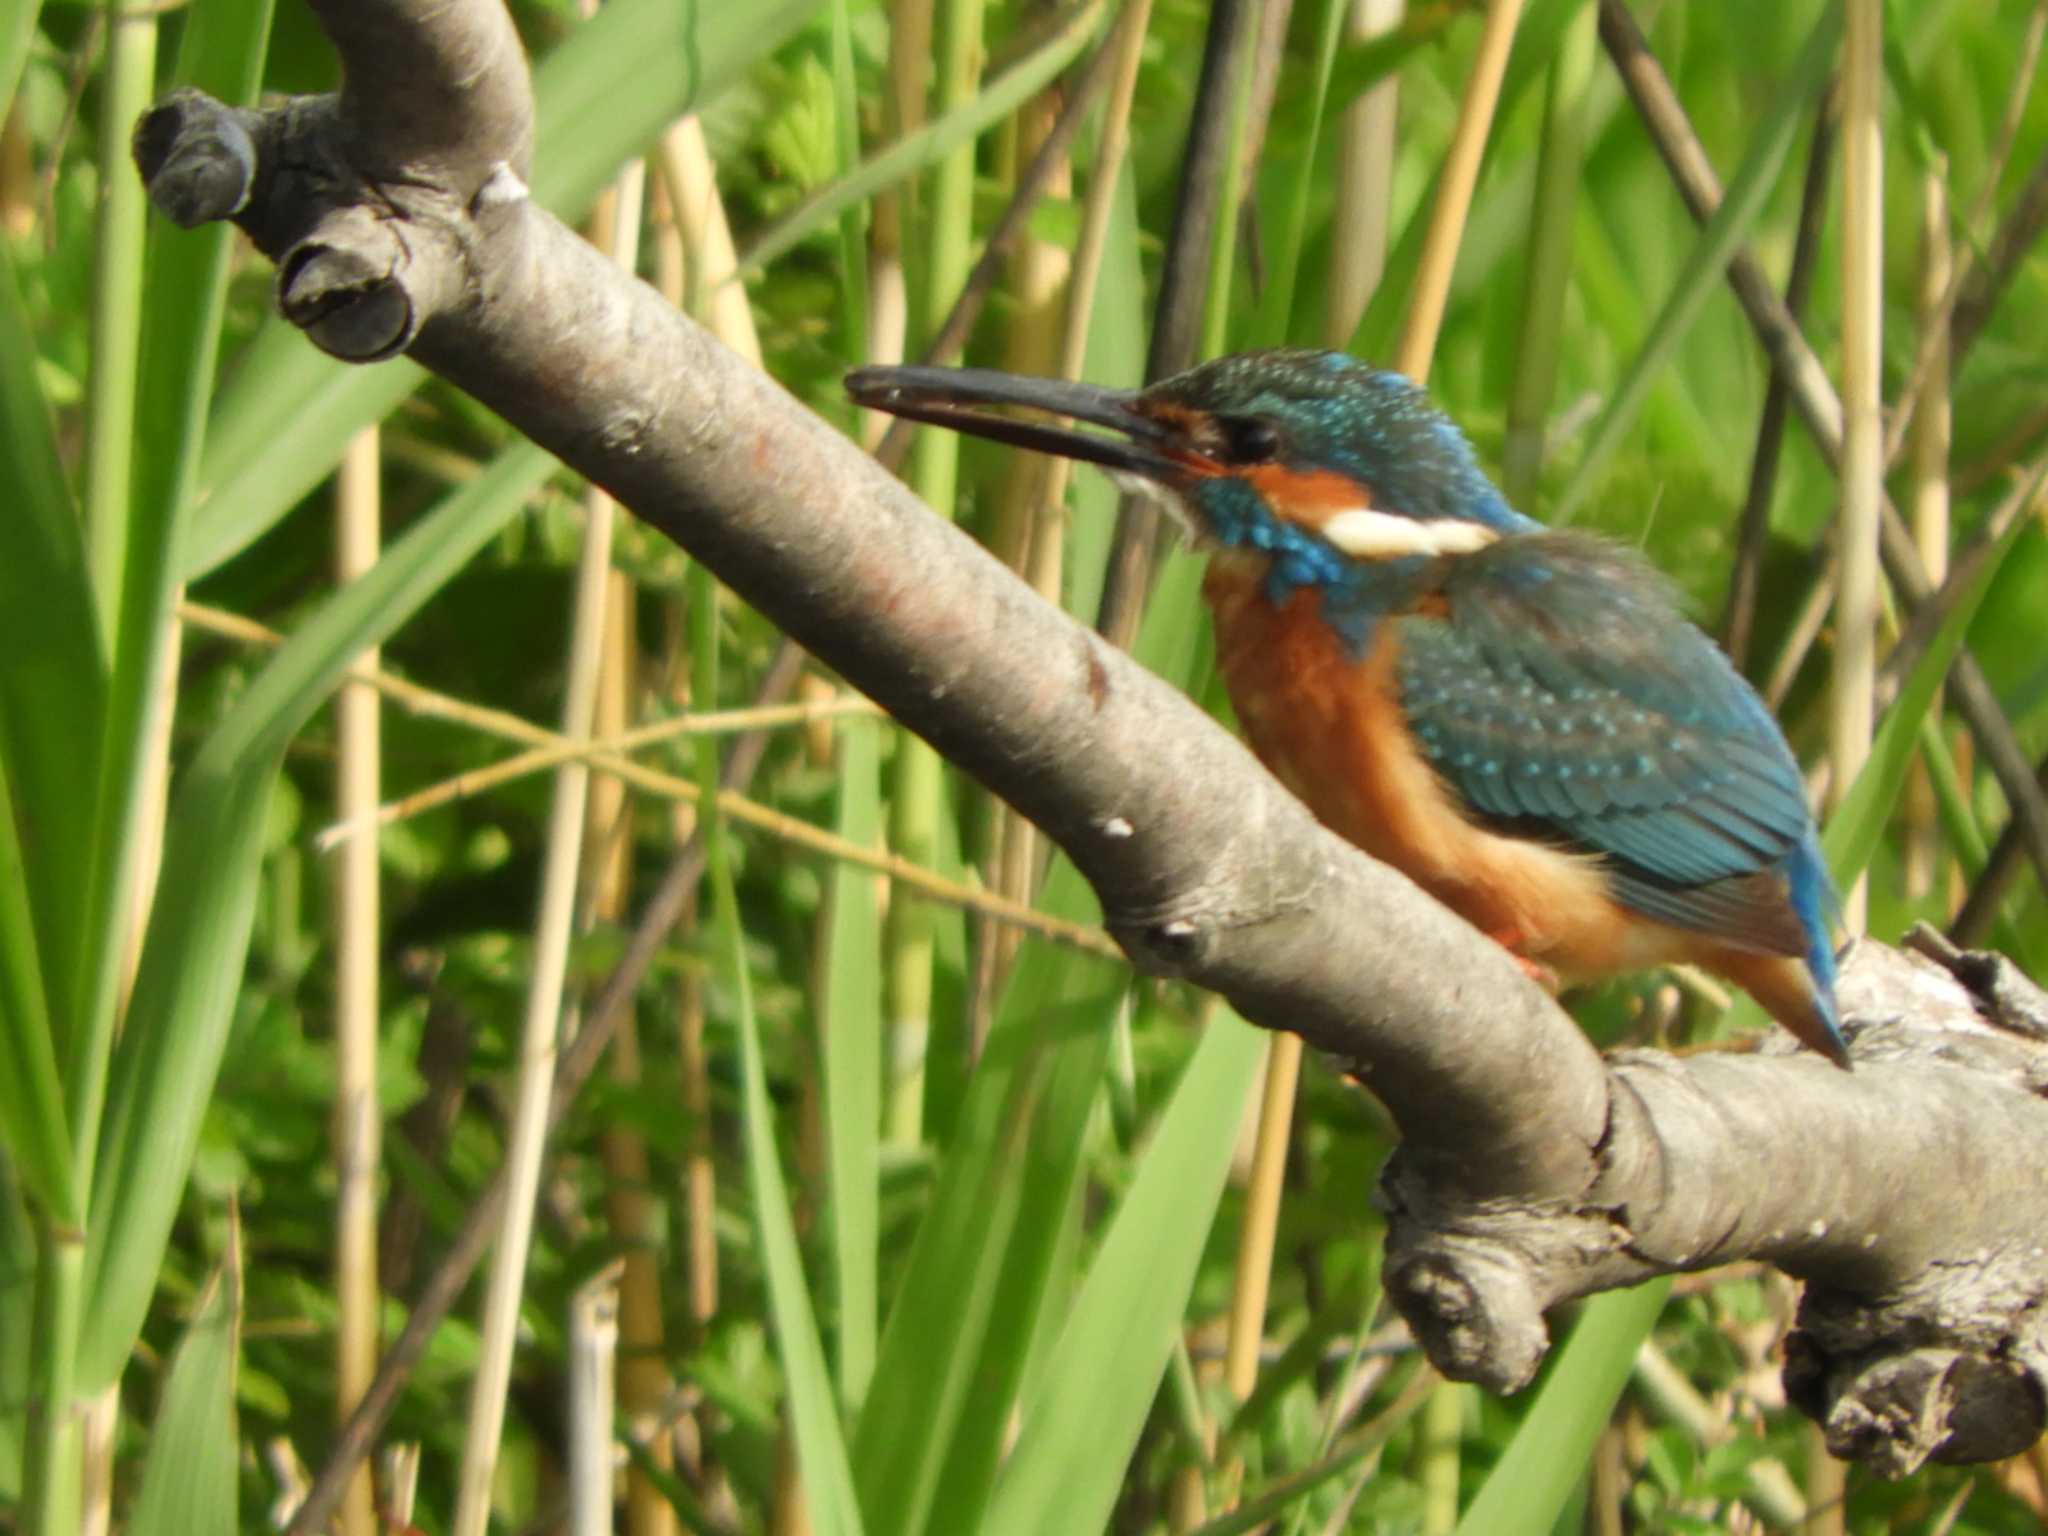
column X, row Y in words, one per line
column 1532, row 1170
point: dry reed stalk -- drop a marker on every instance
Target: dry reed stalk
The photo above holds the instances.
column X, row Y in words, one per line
column 1827, row 1480
column 1928, row 498
column 1028, row 531
column 97, row 1437
column 1610, row 1481
column 1365, row 184
column 358, row 1120
column 1112, row 148
column 689, row 185
column 699, row 241
column 738, row 807
column 600, row 751
column 1851, row 705
column 642, row 1378
column 1258, row 1226
column 888, row 317
column 401, row 1468
column 154, row 794
column 592, row 1379
column 552, row 929
column 1459, row 176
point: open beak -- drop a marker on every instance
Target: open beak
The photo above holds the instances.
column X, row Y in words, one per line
column 963, row 398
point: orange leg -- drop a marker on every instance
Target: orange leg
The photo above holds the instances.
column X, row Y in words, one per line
column 1512, row 940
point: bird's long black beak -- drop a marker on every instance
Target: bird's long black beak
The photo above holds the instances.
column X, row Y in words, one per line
column 966, row 399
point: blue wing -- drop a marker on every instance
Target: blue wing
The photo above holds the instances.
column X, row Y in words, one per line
column 1562, row 695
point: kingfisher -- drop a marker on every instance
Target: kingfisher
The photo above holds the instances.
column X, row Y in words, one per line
column 1519, row 718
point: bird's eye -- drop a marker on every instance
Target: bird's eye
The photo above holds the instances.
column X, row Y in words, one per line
column 1251, row 439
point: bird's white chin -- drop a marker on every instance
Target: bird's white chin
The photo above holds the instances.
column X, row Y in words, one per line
column 1164, row 497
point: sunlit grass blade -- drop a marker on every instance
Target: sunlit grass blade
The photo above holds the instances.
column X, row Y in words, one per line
column 17, row 36
column 829, row 1499
column 1077, row 1435
column 191, row 1474
column 127, row 79
column 1527, row 1488
column 1272, row 324
column 191, row 969
column 278, row 429
column 33, row 1130
column 830, row 1505
column 287, row 411
column 1718, row 239
column 853, row 222
column 182, row 296
column 930, row 144
column 962, row 1318
column 1547, row 273
column 17, row 1324
column 624, row 75
column 851, row 1021
column 53, row 687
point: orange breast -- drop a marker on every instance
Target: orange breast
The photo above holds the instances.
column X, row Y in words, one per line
column 1330, row 727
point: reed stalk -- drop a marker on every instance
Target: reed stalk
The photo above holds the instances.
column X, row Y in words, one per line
column 1928, row 498
column 888, row 296
column 1455, row 183
column 1364, row 213
column 918, row 791
column 1112, row 148
column 1438, row 1458
column 619, row 226
column 1851, row 702
column 643, row 1378
column 358, row 1120
column 1029, row 524
column 689, row 191
column 593, row 1373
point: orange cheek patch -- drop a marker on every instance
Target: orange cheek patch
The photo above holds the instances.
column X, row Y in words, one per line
column 1308, row 498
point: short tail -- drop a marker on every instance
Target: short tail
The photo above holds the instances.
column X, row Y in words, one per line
column 1790, row 993
column 1812, row 1015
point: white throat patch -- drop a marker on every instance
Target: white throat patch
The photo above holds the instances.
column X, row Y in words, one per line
column 1165, row 498
column 1368, row 535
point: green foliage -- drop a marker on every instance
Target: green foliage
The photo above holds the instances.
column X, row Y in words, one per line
column 965, row 1328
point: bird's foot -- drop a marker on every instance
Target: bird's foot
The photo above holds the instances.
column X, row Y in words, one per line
column 1512, row 940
